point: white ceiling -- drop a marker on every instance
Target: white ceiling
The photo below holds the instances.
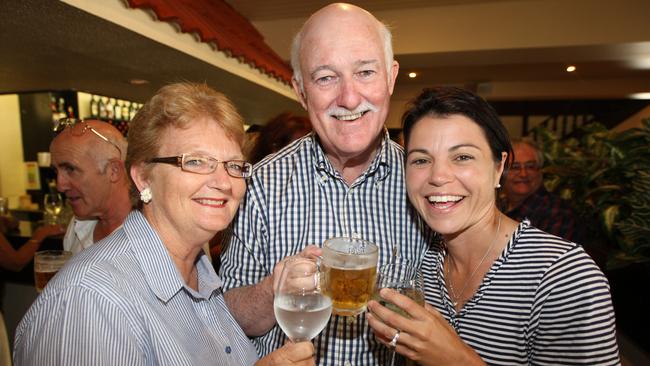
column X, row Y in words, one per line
column 507, row 50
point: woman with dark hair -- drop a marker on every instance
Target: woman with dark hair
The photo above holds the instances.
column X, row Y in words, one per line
column 498, row 291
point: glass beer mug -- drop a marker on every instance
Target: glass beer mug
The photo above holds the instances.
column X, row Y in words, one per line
column 348, row 274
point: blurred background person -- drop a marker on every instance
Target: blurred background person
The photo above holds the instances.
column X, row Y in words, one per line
column 524, row 195
column 15, row 259
column 88, row 157
column 279, row 132
column 148, row 293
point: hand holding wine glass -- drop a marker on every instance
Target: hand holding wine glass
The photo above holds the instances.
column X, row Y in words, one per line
column 404, row 277
column 300, row 308
column 53, row 203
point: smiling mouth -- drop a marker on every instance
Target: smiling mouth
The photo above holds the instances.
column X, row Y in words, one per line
column 210, row 202
column 349, row 116
column 443, row 202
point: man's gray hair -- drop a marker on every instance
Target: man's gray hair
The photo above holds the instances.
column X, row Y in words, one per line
column 384, row 33
column 539, row 154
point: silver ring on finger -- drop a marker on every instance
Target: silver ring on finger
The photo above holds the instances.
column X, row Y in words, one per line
column 393, row 342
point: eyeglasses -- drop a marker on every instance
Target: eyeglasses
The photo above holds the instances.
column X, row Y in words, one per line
column 200, row 164
column 531, row 166
column 63, row 123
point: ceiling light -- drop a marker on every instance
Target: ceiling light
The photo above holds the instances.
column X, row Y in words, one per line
column 412, row 75
column 645, row 95
column 138, row 81
column 570, row 68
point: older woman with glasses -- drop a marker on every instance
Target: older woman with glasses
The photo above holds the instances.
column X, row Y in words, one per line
column 147, row 294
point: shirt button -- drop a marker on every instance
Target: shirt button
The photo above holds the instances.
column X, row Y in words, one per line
column 228, row 349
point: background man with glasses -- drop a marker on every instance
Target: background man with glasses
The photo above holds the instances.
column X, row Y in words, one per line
column 526, row 197
column 88, row 157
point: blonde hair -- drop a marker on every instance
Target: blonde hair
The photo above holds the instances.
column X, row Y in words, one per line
column 178, row 105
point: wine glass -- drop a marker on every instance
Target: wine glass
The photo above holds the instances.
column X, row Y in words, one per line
column 403, row 276
column 53, row 203
column 300, row 307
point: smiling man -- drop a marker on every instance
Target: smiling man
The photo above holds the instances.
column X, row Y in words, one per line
column 526, row 197
column 344, row 179
column 88, row 157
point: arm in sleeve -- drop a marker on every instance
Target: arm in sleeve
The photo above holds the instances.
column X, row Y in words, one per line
column 573, row 316
column 247, row 280
column 77, row 327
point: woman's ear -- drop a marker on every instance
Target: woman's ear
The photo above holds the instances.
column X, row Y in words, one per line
column 139, row 176
column 501, row 167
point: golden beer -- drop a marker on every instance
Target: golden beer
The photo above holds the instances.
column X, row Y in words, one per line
column 348, row 274
column 349, row 288
column 42, row 278
column 46, row 264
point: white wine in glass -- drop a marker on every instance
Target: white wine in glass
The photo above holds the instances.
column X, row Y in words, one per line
column 53, row 203
column 405, row 277
column 300, row 307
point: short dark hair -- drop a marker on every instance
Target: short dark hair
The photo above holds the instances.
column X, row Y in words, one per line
column 444, row 101
column 278, row 133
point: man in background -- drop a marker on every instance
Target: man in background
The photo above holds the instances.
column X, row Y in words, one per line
column 88, row 157
column 526, row 197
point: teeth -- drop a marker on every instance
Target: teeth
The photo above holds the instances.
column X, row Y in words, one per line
column 440, row 199
column 210, row 202
column 349, row 117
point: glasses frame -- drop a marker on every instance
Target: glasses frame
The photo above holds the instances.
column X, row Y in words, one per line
column 64, row 123
column 179, row 161
column 529, row 166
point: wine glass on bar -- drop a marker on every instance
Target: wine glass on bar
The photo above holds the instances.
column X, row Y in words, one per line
column 53, row 204
column 301, row 309
column 403, row 276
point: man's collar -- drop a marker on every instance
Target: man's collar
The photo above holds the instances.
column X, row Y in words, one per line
column 379, row 167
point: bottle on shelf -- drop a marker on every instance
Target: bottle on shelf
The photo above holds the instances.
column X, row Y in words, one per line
column 118, row 110
column 94, row 106
column 103, row 113
column 61, row 110
column 125, row 110
column 110, row 109
column 132, row 110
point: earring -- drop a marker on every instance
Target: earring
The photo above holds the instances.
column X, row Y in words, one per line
column 498, row 185
column 145, row 195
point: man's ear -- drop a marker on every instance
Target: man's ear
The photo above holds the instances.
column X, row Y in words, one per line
column 116, row 170
column 300, row 92
column 394, row 70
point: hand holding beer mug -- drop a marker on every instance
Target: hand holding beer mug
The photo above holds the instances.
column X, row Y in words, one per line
column 46, row 264
column 349, row 269
column 300, row 308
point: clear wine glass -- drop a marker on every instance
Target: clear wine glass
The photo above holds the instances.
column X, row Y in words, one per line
column 403, row 276
column 53, row 203
column 301, row 309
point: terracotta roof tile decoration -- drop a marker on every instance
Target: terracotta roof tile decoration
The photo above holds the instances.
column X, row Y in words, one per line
column 216, row 22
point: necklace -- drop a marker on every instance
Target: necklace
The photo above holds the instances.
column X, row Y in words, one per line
column 457, row 296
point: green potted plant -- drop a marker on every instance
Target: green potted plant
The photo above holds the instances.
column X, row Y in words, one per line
column 606, row 176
